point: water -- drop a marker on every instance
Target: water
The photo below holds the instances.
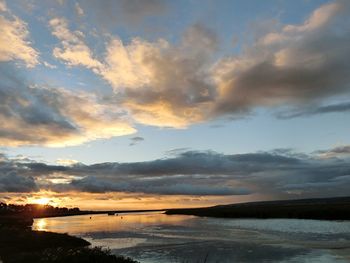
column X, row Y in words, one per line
column 156, row 237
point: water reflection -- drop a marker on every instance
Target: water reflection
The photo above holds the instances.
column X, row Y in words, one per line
column 96, row 223
column 40, row 224
column 158, row 237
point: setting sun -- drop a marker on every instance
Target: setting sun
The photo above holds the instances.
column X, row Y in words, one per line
column 41, row 201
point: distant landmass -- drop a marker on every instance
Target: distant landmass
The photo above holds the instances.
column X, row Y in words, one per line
column 337, row 208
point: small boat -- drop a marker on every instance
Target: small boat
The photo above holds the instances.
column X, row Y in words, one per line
column 111, row 213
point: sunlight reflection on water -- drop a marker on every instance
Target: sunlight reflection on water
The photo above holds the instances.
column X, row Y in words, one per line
column 156, row 237
column 40, row 224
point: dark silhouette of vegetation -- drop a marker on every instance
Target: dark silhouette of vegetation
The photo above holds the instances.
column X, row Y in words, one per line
column 37, row 211
column 323, row 208
column 22, row 215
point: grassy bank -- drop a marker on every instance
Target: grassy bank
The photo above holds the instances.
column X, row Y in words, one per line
column 324, row 208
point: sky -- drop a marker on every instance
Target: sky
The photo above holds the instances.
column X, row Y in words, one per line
column 132, row 104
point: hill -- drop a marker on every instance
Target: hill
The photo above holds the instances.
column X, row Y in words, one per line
column 337, row 208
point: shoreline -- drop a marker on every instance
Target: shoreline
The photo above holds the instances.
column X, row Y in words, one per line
column 337, row 208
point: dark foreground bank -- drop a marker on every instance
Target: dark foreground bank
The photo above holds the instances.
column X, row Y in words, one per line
column 19, row 244
column 322, row 209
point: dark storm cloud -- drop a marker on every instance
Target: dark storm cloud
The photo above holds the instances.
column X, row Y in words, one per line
column 281, row 173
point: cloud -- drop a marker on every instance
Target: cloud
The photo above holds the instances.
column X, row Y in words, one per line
column 136, row 140
column 163, row 84
column 33, row 115
column 335, row 152
column 78, row 10
column 135, row 11
column 210, row 173
column 14, row 39
column 280, row 173
column 15, row 183
column 310, row 111
column 95, row 185
column 12, row 182
column 124, row 12
column 294, row 65
column 3, row 6
column 178, row 84
column 73, row 51
column 158, row 83
column 66, row 161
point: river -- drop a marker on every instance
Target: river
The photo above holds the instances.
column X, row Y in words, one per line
column 158, row 238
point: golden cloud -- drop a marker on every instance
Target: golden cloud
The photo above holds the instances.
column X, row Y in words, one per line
column 14, row 43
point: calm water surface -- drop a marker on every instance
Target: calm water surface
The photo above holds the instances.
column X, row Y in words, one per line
column 156, row 237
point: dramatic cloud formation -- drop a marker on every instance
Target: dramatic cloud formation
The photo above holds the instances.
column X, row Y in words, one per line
column 279, row 174
column 76, row 71
column 160, row 84
column 14, row 43
column 32, row 115
column 295, row 64
column 164, row 85
column 175, row 85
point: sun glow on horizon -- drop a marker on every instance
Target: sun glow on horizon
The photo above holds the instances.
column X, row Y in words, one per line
column 41, row 201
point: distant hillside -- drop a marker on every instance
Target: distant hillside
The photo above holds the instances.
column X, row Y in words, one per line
column 337, row 208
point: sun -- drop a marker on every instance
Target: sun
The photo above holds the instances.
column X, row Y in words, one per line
column 41, row 201
column 43, row 198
